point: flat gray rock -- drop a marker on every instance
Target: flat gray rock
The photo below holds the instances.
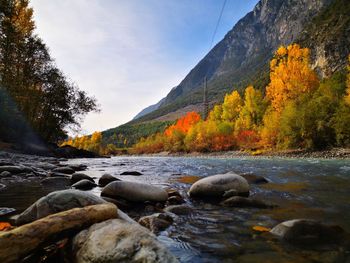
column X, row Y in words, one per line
column 217, row 185
column 135, row 192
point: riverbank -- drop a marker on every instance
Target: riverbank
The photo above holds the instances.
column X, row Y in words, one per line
column 334, row 153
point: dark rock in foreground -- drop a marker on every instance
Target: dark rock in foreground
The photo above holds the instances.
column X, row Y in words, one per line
column 84, row 185
column 106, row 179
column 156, row 222
column 309, row 233
column 76, row 177
column 116, row 240
column 135, row 173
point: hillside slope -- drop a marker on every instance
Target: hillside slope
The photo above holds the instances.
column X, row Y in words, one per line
column 241, row 57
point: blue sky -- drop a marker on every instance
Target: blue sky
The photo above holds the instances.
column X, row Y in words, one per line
column 130, row 53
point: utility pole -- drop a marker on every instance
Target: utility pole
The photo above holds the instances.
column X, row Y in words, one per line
column 205, row 100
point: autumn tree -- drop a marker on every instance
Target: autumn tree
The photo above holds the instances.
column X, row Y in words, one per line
column 46, row 101
column 290, row 76
column 231, row 107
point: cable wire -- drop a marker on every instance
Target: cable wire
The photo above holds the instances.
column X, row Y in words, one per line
column 217, row 24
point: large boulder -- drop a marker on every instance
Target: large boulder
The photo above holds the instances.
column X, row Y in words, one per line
column 310, row 233
column 217, row 185
column 106, row 179
column 116, row 240
column 76, row 177
column 56, row 202
column 21, row 241
column 135, row 192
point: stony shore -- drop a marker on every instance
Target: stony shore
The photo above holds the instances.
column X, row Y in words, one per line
column 334, row 153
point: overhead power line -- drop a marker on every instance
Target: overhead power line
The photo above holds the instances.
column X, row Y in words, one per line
column 217, row 24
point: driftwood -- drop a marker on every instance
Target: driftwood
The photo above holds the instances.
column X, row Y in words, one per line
column 21, row 241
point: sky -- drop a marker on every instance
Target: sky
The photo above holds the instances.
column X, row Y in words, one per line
column 128, row 54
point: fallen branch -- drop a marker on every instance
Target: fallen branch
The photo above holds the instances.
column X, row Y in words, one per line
column 21, row 241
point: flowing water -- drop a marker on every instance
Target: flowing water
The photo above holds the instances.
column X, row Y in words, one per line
column 302, row 188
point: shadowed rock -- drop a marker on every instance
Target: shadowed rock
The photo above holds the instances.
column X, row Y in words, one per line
column 84, row 185
column 56, row 202
column 106, row 179
column 76, row 177
column 239, row 201
column 63, row 170
column 135, row 173
column 156, row 222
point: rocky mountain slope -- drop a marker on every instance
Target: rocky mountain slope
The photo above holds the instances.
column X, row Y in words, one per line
column 241, row 58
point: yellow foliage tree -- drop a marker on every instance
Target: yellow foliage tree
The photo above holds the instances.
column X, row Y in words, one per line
column 290, row 76
column 347, row 95
column 231, row 107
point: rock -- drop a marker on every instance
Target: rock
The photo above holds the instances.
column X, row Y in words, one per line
column 173, row 192
column 135, row 192
column 239, row 201
column 175, row 200
column 217, row 185
column 56, row 181
column 254, row 179
column 56, row 202
column 106, row 179
column 63, row 170
column 179, row 209
column 116, row 240
column 15, row 169
column 119, row 202
column 84, row 185
column 309, row 233
column 230, row 193
column 54, row 174
column 21, row 241
column 78, row 167
column 135, row 173
column 5, row 174
column 76, row 177
column 6, row 211
column 156, row 222
column 46, row 166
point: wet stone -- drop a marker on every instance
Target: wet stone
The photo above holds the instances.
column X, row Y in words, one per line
column 134, row 173
column 6, row 210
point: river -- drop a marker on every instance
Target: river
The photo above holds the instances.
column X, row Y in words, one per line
column 302, row 188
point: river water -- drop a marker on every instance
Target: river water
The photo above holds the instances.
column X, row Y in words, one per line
column 302, row 188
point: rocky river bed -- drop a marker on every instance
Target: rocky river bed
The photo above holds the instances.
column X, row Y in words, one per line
column 211, row 229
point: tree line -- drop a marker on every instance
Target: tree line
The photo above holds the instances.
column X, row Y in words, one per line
column 296, row 110
column 35, row 96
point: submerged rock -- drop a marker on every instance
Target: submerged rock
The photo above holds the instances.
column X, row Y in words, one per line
column 239, row 201
column 217, row 185
column 106, row 179
column 309, row 233
column 64, row 170
column 6, row 210
column 135, row 192
column 56, row 181
column 76, row 177
column 5, row 174
column 56, row 202
column 254, row 179
column 116, row 240
column 179, row 209
column 14, row 169
column 156, row 222
column 135, row 173
column 84, row 185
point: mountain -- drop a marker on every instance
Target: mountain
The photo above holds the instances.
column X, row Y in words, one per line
column 242, row 57
column 149, row 109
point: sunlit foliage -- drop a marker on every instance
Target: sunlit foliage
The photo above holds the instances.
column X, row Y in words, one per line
column 298, row 111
